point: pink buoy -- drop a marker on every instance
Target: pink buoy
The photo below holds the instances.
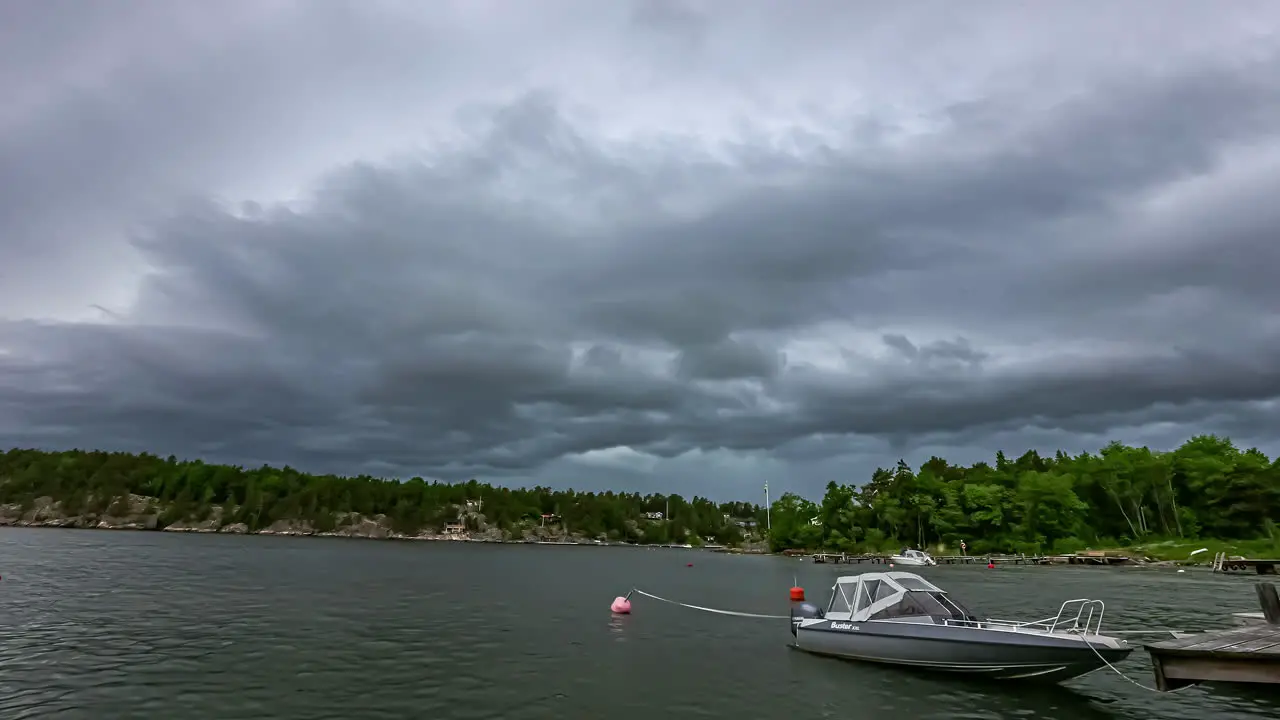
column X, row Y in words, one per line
column 621, row 605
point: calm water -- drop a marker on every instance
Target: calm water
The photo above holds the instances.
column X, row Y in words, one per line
column 144, row 625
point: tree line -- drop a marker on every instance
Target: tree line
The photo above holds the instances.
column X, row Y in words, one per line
column 1207, row 488
column 99, row 483
column 1120, row 496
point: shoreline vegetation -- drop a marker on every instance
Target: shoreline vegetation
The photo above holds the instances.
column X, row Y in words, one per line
column 1153, row 505
column 1207, row 493
column 123, row 491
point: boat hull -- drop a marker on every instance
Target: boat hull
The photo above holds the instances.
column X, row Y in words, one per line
column 988, row 653
column 910, row 561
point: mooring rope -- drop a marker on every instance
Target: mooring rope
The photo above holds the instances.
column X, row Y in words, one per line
column 1117, row 671
column 711, row 610
column 759, row 616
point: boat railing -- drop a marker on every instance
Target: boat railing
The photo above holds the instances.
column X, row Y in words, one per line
column 998, row 623
column 1087, row 619
column 1081, row 605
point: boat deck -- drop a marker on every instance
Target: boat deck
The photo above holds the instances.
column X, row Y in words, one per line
column 1249, row 654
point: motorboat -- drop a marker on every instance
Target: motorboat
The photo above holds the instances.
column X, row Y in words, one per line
column 900, row 618
column 913, row 558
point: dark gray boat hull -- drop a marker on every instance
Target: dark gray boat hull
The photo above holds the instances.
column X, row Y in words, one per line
column 997, row 654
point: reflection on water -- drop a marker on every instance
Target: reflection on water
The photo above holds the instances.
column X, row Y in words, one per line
column 145, row 625
column 618, row 626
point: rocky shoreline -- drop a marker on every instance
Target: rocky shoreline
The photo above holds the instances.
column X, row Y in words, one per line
column 144, row 513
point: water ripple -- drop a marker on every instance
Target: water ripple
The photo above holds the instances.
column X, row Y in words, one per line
column 144, row 625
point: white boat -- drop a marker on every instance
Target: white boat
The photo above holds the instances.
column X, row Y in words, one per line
column 914, row 558
column 899, row 618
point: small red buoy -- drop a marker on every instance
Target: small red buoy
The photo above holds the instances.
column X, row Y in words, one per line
column 621, row 606
column 689, row 565
column 797, row 594
column 991, row 566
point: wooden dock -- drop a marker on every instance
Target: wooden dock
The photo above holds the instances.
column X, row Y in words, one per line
column 1248, row 654
column 1222, row 563
column 845, row 558
column 1081, row 559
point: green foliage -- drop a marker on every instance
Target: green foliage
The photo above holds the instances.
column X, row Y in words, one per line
column 190, row 491
column 1181, row 549
column 1119, row 496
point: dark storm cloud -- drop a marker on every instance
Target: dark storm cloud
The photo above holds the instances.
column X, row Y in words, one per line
column 727, row 360
column 1080, row 391
column 959, row 350
column 533, row 290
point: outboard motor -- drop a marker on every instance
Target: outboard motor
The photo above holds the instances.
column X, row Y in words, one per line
column 804, row 611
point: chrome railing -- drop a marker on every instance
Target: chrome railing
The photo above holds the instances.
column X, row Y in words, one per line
column 1085, row 604
column 1087, row 619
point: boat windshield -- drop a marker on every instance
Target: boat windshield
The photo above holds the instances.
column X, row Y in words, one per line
column 931, row 603
column 885, row 596
column 842, row 600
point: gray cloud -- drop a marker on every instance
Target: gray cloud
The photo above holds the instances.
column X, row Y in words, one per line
column 514, row 281
column 728, row 360
column 958, row 350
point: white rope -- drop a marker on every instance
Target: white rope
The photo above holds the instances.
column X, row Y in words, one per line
column 1121, row 674
column 787, row 617
column 712, row 610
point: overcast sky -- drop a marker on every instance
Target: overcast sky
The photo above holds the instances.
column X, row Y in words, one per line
column 654, row 246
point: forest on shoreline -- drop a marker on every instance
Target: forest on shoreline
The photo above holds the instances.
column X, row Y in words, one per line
column 96, row 484
column 1120, row 496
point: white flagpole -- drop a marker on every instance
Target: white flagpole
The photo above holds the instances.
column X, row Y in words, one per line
column 768, row 515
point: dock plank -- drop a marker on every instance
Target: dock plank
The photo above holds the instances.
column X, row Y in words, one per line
column 1248, row 654
column 1220, row 640
column 1239, row 655
column 1260, row 642
column 1256, row 644
column 1175, row 672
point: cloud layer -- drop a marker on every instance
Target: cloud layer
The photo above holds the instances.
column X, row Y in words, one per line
column 662, row 245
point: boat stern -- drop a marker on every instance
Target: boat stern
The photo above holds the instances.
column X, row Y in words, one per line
column 804, row 611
